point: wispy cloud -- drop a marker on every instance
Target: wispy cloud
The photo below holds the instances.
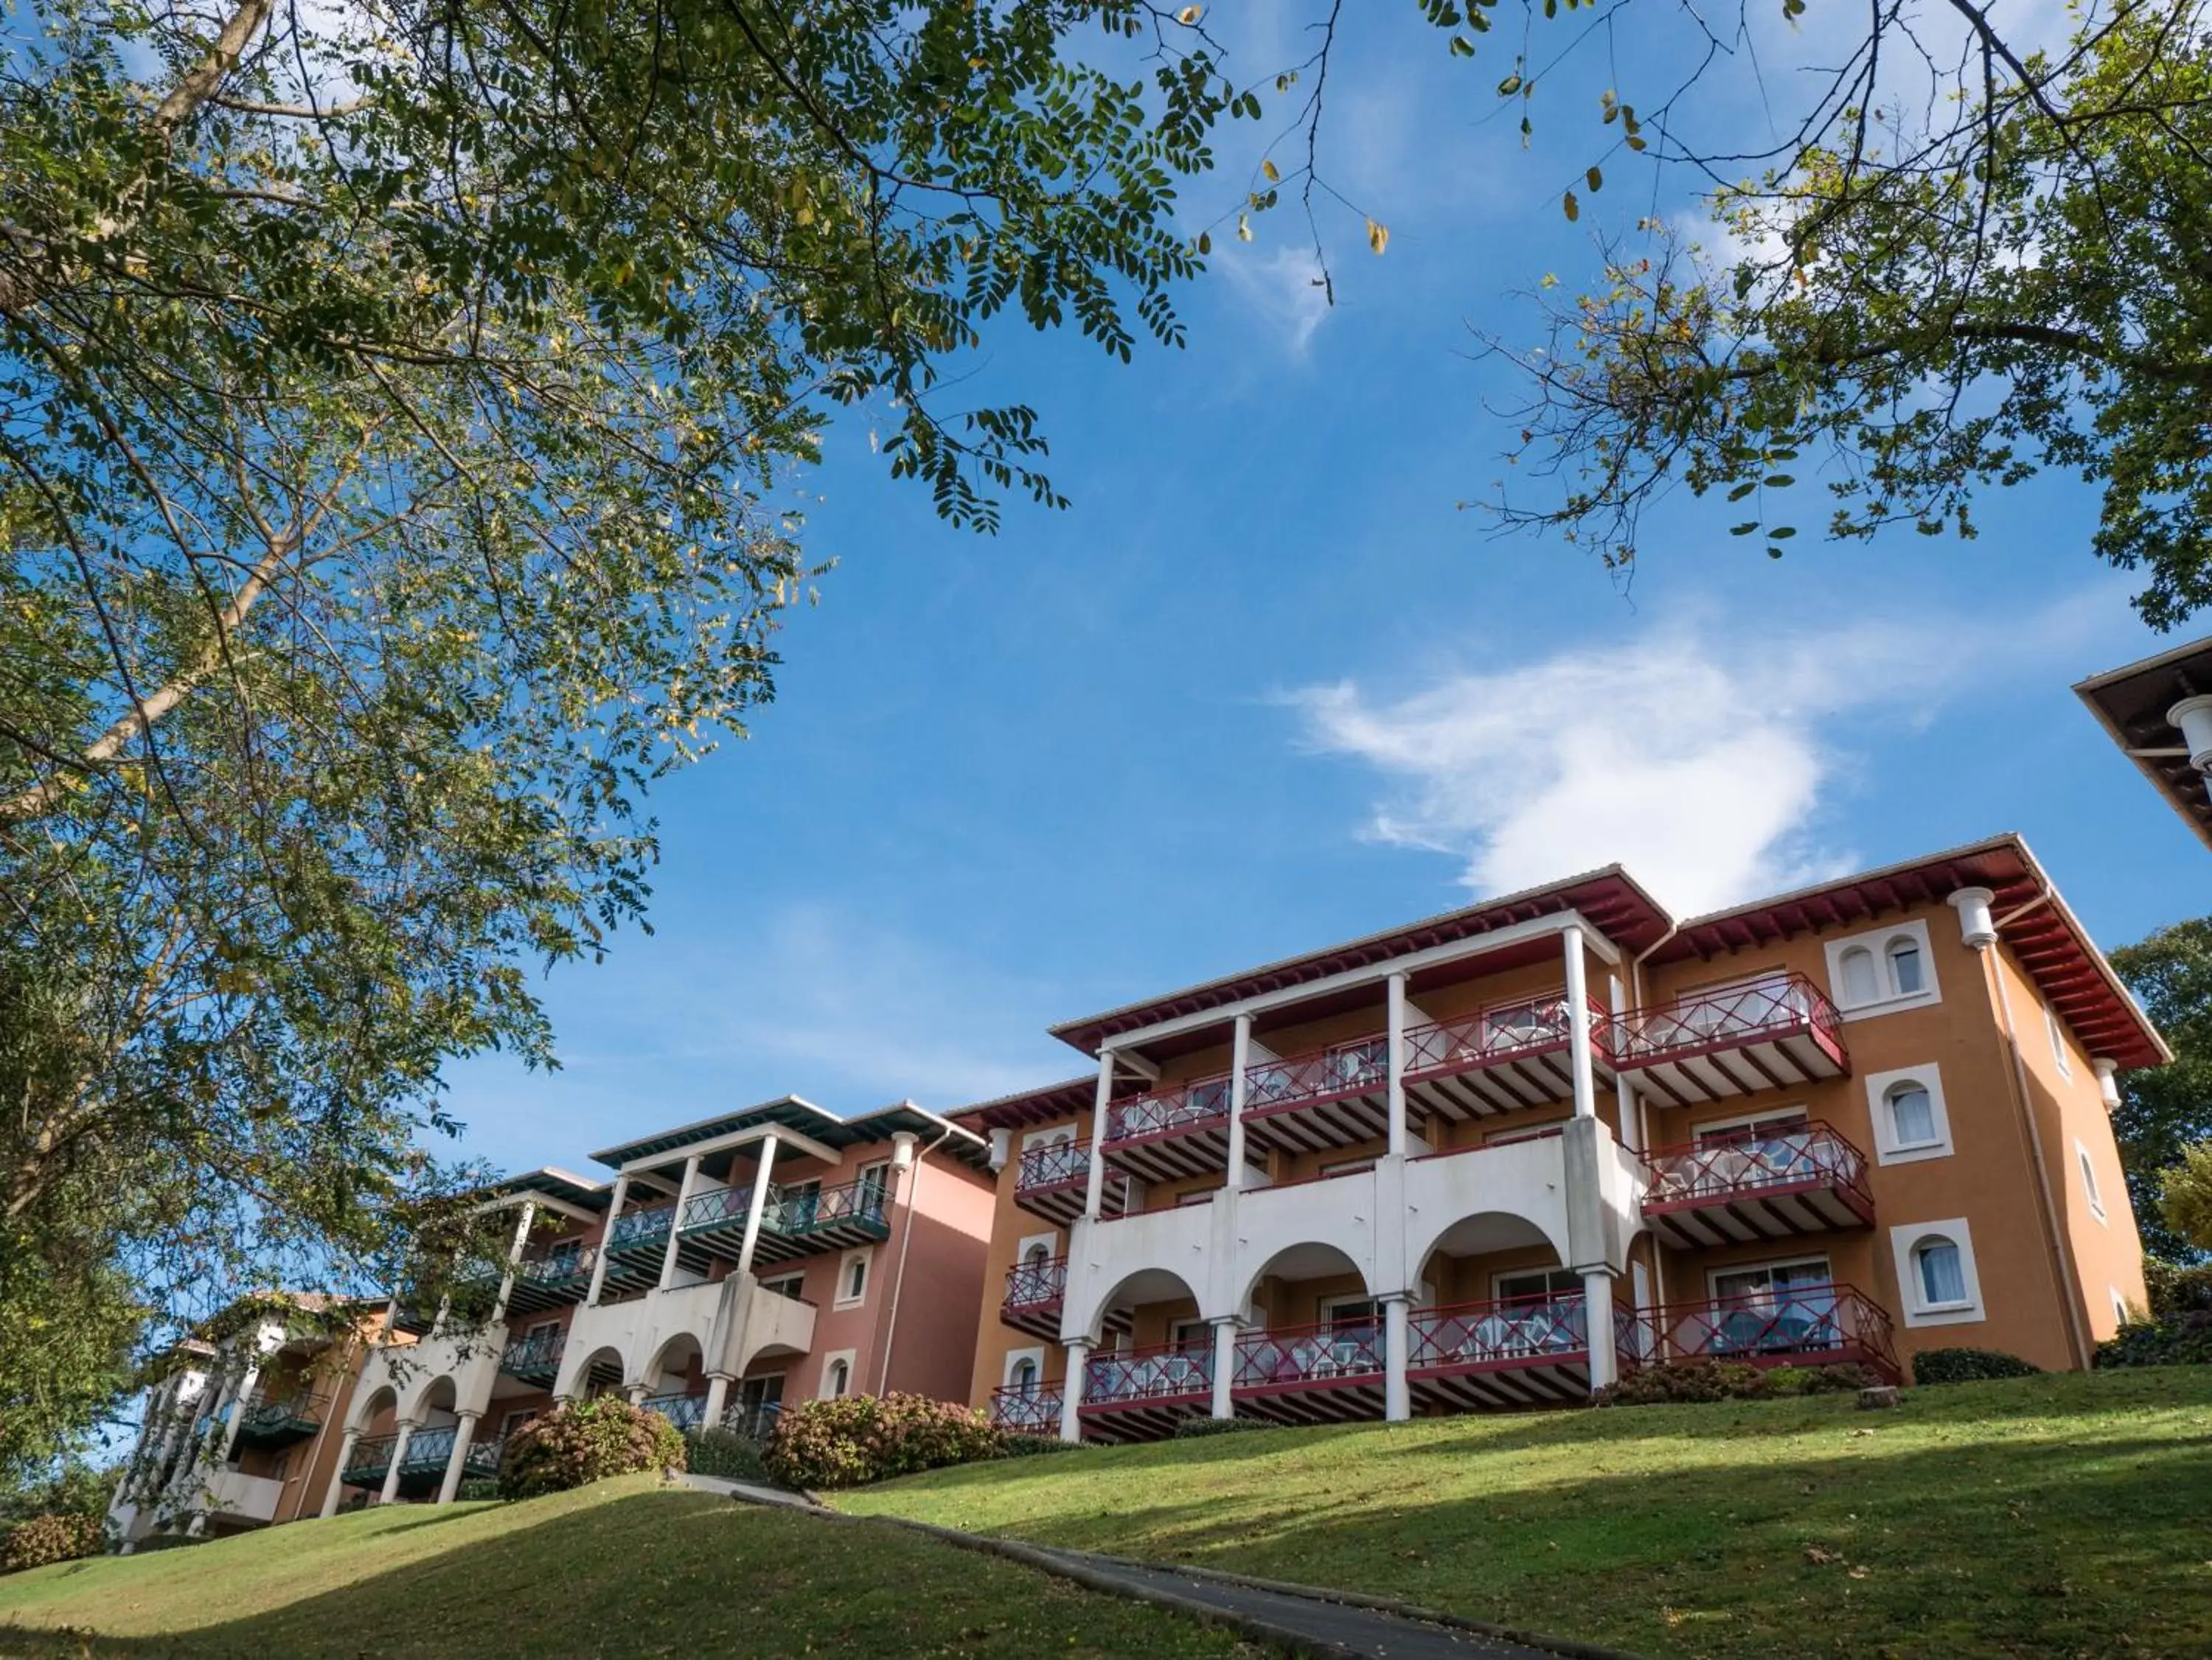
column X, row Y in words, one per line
column 1700, row 761
column 1280, row 291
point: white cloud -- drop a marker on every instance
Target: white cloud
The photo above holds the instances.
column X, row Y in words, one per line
column 1279, row 290
column 1699, row 761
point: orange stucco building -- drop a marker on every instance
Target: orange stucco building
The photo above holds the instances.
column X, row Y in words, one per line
column 1495, row 1157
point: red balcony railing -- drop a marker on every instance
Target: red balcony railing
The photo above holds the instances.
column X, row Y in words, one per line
column 1719, row 1170
column 1527, row 1329
column 1168, row 1372
column 1493, row 1035
column 1033, row 1286
column 1804, row 1325
column 1165, row 1112
column 1054, row 1164
column 1031, row 1411
column 1348, row 1068
column 1731, row 1017
column 1308, row 1355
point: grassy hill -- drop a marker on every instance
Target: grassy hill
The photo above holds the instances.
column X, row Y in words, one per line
column 621, row 1569
column 2065, row 1515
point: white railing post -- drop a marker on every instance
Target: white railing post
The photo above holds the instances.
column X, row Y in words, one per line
column 1071, row 1394
column 1397, row 1344
column 675, row 1221
column 1397, row 1064
column 1240, row 1055
column 1578, row 1022
column 1095, row 1194
column 607, row 1239
column 756, row 1205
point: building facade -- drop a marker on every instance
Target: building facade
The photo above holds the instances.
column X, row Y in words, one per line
column 1494, row 1158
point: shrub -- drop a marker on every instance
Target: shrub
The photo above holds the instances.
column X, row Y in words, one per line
column 2181, row 1340
column 1014, row 1446
column 2176, row 1290
column 572, row 1446
column 1693, row 1382
column 1195, row 1426
column 866, row 1438
column 718, row 1452
column 478, row 1489
column 43, row 1539
column 1968, row 1366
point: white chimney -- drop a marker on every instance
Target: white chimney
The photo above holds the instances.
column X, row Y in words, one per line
column 2194, row 716
column 1972, row 905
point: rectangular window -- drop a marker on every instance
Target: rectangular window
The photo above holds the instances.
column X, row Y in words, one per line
column 1745, row 1132
column 2089, row 1181
column 1191, row 1336
column 1526, row 1133
column 1365, row 1065
column 875, row 1183
column 1347, row 1167
column 514, row 1420
column 2057, row 1042
column 851, row 1279
column 1351, row 1314
column 1539, row 1285
column 1196, row 1196
column 1768, row 1283
column 792, row 1286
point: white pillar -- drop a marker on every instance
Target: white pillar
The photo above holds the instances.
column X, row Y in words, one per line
column 1578, row 1023
column 1397, row 1052
column 1597, row 1320
column 457, row 1461
column 1070, row 1393
column 636, row 1394
column 675, row 1219
column 239, row 1402
column 757, row 1207
column 331, row 1494
column 1632, row 1128
column 606, row 1239
column 1397, row 1349
column 1224, row 1366
column 1240, row 1055
column 1095, row 1195
column 391, row 1491
column 718, row 1397
column 514, row 1258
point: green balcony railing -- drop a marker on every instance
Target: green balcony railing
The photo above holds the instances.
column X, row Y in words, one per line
column 534, row 1359
column 280, row 1420
column 428, row 1451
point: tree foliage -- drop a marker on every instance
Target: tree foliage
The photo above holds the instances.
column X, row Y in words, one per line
column 2166, row 1111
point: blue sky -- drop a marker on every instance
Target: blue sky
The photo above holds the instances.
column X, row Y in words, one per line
column 1265, row 685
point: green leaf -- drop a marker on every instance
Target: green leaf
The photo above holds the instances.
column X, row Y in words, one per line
column 1744, row 529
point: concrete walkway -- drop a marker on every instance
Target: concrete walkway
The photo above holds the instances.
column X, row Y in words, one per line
column 1337, row 1625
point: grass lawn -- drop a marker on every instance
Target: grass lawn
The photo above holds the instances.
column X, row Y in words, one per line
column 2066, row 1515
column 620, row 1569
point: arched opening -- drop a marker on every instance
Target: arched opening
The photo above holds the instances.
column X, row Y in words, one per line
column 376, row 1417
column 1155, row 1365
column 1311, row 1346
column 1038, row 1254
column 676, row 1382
column 1498, row 1319
column 601, row 1373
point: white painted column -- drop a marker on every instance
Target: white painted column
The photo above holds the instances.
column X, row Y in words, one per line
column 1224, row 1366
column 1095, row 1195
column 606, row 1238
column 1240, row 1056
column 1631, row 1126
column 458, row 1461
column 1397, row 1053
column 406, row 1433
column 675, row 1219
column 1397, row 1349
column 1071, row 1393
column 635, row 1393
column 1597, row 1320
column 514, row 1258
column 757, row 1207
column 718, row 1399
column 238, row 1402
column 336, row 1491
column 1578, row 1022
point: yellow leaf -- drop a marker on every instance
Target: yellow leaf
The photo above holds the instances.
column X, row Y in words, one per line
column 1378, row 236
column 1243, row 229
column 1190, row 15
column 1269, row 168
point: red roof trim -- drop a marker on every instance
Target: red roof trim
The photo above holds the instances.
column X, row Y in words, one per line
column 1072, row 1097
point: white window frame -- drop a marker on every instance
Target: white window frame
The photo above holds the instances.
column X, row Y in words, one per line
column 2119, row 1304
column 1903, row 1241
column 1499, row 1276
column 1014, row 1358
column 2090, row 1188
column 1877, row 942
column 506, row 1424
column 1329, row 1305
column 1804, row 1114
column 773, row 1281
column 1049, row 1240
column 1177, row 1328
column 1771, row 1264
column 2056, row 1029
column 1048, row 1135
column 1887, row 1149
column 829, row 1362
column 864, row 1255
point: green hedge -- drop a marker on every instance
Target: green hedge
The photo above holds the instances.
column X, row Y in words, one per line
column 572, row 1446
column 865, row 1438
column 1015, row 1445
column 1694, row 1381
column 2185, row 1340
column 1189, row 1428
column 1968, row 1366
column 2178, row 1288
column 733, row 1457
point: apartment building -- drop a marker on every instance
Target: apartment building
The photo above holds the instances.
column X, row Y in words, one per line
column 1492, row 1159
column 2159, row 712
column 242, row 1430
column 773, row 1254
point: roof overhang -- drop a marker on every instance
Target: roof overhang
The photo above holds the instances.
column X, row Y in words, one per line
column 2132, row 704
column 2032, row 921
column 1071, row 1098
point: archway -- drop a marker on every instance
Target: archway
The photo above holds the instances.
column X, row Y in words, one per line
column 1498, row 1320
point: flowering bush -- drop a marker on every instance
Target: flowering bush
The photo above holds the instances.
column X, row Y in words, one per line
column 575, row 1445
column 43, row 1539
column 1692, row 1381
column 866, row 1438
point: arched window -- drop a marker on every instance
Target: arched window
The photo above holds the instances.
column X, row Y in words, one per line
column 1912, row 1115
column 1904, row 973
column 1859, row 984
column 840, row 1378
column 1026, row 1375
column 1942, row 1275
column 1038, row 1255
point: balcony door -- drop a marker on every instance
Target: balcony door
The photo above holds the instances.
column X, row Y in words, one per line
column 1773, row 1147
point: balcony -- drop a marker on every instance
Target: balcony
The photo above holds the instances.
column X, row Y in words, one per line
column 1529, row 1352
column 561, row 1276
column 684, row 1411
column 1142, row 1394
column 1310, row 1374
column 244, row 1498
column 1053, row 1180
column 535, row 1359
column 423, row 1467
column 795, row 1221
column 1171, row 1133
column 635, row 1242
column 1332, row 1098
column 276, row 1423
column 1806, row 1325
column 1034, row 1292
column 1805, row 1180
column 1031, row 1411
column 1499, row 1060
column 1774, row 1033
